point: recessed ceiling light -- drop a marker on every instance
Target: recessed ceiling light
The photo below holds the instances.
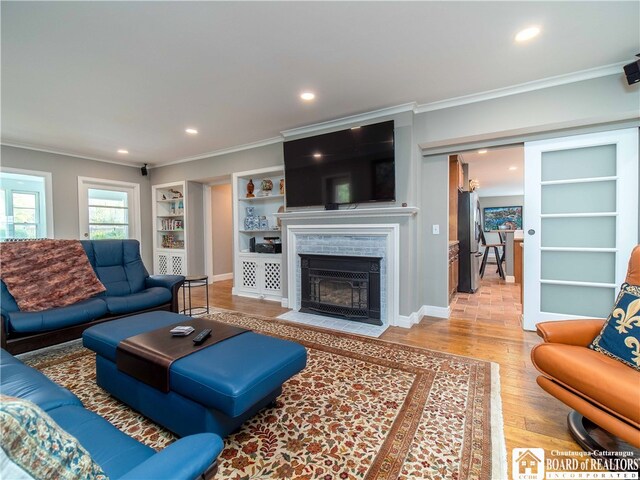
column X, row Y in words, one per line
column 355, row 128
column 483, row 151
column 513, row 168
column 527, row 34
column 317, row 155
column 307, row 96
column 123, row 151
column 191, row 131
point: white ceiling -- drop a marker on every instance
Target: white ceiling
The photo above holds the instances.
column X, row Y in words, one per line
column 89, row 78
column 491, row 169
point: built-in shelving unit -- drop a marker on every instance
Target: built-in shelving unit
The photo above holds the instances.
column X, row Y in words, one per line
column 169, row 233
column 257, row 275
column 178, row 241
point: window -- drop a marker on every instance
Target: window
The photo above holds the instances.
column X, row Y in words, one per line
column 25, row 204
column 25, row 214
column 108, row 209
column 108, row 214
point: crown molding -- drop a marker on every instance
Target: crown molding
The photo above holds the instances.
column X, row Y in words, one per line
column 558, row 80
column 350, row 120
column 224, row 151
column 36, row 148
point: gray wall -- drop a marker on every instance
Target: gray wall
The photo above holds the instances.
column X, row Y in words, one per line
column 195, row 229
column 65, row 171
column 586, row 101
column 222, row 229
column 434, row 210
column 589, row 99
column 221, row 165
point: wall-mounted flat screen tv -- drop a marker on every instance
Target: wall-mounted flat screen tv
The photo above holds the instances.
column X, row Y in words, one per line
column 346, row 167
column 502, row 218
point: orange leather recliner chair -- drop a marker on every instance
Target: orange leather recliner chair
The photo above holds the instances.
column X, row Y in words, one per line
column 598, row 388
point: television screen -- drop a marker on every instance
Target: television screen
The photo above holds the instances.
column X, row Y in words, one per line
column 502, row 218
column 350, row 166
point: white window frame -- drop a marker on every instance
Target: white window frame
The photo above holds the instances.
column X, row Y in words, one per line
column 85, row 183
column 37, row 214
column 48, row 193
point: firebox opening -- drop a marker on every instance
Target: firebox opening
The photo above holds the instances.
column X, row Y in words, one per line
column 341, row 286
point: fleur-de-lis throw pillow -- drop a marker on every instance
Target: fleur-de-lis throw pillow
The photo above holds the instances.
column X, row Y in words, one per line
column 620, row 335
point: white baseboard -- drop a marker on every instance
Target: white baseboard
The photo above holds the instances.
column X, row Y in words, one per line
column 510, row 279
column 284, row 302
column 433, row 311
column 221, row 277
column 407, row 321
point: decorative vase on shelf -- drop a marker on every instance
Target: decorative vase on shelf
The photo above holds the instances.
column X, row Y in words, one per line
column 282, row 186
column 250, row 188
column 249, row 211
column 266, row 186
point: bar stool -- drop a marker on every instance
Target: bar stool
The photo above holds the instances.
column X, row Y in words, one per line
column 503, row 239
column 486, row 255
column 191, row 282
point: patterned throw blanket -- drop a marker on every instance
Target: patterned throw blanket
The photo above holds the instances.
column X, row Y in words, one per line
column 44, row 274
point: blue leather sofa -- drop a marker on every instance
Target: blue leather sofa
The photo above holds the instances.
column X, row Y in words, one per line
column 120, row 456
column 130, row 289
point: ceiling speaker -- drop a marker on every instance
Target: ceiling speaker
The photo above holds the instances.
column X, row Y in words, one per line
column 144, row 170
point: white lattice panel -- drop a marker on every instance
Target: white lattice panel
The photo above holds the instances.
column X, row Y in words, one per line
column 249, row 274
column 272, row 276
column 177, row 265
column 163, row 264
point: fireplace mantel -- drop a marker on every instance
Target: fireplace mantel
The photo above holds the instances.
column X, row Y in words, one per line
column 353, row 212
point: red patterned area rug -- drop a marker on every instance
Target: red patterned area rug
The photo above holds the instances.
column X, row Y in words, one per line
column 362, row 409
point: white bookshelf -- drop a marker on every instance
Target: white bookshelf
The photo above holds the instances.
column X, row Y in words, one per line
column 257, row 275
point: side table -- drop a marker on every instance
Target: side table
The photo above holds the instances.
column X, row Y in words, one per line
column 189, row 283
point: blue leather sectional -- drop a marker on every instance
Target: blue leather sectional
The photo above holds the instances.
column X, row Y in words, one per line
column 120, row 456
column 130, row 289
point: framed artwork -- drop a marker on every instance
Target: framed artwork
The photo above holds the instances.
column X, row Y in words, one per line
column 502, row 218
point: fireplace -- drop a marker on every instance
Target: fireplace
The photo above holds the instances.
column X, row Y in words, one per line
column 341, row 286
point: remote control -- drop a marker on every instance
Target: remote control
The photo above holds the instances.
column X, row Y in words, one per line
column 202, row 336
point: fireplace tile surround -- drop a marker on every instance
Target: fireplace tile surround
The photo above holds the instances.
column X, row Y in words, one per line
column 365, row 240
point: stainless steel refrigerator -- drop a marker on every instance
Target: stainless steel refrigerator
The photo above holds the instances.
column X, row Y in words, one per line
column 469, row 229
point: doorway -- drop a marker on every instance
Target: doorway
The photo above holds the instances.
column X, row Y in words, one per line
column 486, row 201
column 220, row 245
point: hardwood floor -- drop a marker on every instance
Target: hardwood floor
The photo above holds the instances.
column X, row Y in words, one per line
column 485, row 325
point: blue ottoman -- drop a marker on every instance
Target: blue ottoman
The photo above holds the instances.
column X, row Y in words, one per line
column 212, row 390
